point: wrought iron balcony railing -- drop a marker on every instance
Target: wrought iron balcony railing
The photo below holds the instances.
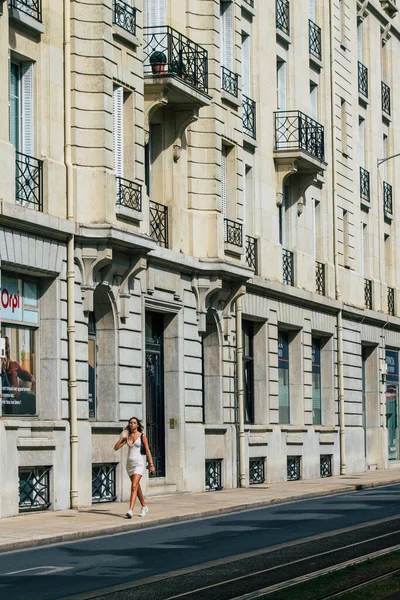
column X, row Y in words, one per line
column 229, row 81
column 287, row 267
column 387, row 199
column 168, row 52
column 314, row 40
column 390, row 301
column 158, row 222
column 296, row 131
column 28, row 181
column 251, row 253
column 124, row 16
column 33, row 8
column 233, row 232
column 364, row 185
column 249, row 116
column 283, row 16
column 363, row 79
column 129, row 194
column 368, row 293
column 320, row 278
column 386, row 99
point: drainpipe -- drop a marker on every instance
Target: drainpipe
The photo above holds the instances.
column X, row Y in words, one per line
column 239, row 367
column 73, row 415
column 338, row 294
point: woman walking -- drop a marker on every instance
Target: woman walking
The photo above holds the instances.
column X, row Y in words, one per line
column 135, row 464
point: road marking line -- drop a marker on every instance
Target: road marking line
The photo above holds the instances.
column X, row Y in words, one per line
column 45, row 570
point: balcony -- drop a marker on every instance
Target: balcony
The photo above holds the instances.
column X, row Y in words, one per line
column 129, row 198
column 28, row 181
column 32, row 8
column 299, row 136
column 320, row 278
column 362, row 80
column 314, row 40
column 124, row 16
column 283, row 16
column 287, row 267
column 249, row 116
column 386, row 99
column 174, row 62
column 158, row 223
column 364, row 185
column 368, row 293
column 390, row 301
column 387, row 200
column 251, row 253
column 229, row 82
column 233, row 233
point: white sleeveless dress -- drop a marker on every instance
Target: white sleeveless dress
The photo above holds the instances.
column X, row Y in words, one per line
column 135, row 462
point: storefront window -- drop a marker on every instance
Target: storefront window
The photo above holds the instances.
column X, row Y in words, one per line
column 392, row 403
column 283, row 377
column 19, row 311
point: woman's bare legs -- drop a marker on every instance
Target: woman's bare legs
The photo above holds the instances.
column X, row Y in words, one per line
column 135, row 479
column 140, row 496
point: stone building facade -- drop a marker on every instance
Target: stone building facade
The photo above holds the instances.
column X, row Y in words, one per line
column 211, row 164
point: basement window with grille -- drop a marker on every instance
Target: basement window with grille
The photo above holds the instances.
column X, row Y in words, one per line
column 257, row 470
column 213, row 473
column 293, row 468
column 325, row 465
column 103, row 483
column 34, row 488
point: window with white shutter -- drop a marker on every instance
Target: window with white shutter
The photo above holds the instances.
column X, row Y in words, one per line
column 313, row 101
column 246, row 67
column 21, row 107
column 156, row 13
column 27, row 108
column 361, row 130
column 313, row 228
column 15, row 105
column 311, row 10
column 226, row 34
column 360, row 48
column 281, row 84
column 224, row 154
column 118, row 130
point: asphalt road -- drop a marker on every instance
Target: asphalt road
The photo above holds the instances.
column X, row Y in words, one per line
column 246, row 551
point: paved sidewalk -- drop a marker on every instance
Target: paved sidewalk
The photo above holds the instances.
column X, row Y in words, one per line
column 36, row 529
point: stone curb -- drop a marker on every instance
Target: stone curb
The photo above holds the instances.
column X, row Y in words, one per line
column 143, row 524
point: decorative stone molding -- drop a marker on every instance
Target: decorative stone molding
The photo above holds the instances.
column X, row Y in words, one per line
column 90, row 259
column 362, row 12
column 204, row 289
column 237, row 291
column 137, row 264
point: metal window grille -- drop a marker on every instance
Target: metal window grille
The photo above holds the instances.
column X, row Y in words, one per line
column 249, row 116
column 294, row 130
column 368, row 293
column 213, row 472
column 283, row 16
column 230, row 81
column 103, row 483
column 325, row 465
column 33, row 8
column 124, row 16
column 315, row 39
column 251, row 253
column 34, row 488
column 129, row 194
column 390, row 301
column 168, row 52
column 387, row 199
column 159, row 223
column 385, row 98
column 363, row 79
column 257, row 470
column 233, row 232
column 293, row 468
column 364, row 184
column 28, row 181
column 287, row 265
column 320, row 278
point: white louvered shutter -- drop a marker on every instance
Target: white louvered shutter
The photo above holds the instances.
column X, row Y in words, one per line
column 246, row 70
column 313, row 229
column 227, row 35
column 362, row 249
column 27, row 108
column 311, row 10
column 223, row 180
column 361, row 128
column 360, row 48
column 281, row 82
column 118, row 131
column 156, row 13
column 14, row 105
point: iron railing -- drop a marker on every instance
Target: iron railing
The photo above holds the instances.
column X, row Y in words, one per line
column 256, row 470
column 129, row 194
column 293, row 468
column 124, row 16
column 386, row 99
column 158, row 222
column 33, row 8
column 28, row 181
column 34, row 488
column 103, row 483
column 314, row 40
column 364, row 185
column 296, row 131
column 362, row 79
column 325, row 465
column 249, row 116
column 213, row 474
column 283, row 16
column 390, row 301
column 233, row 232
column 251, row 253
column 368, row 293
column 320, row 278
column 387, row 199
column 230, row 81
column 168, row 52
column 287, row 267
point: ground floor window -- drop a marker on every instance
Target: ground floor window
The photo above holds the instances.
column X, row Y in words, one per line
column 392, row 404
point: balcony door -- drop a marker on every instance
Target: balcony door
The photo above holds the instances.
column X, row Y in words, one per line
column 21, row 107
column 156, row 13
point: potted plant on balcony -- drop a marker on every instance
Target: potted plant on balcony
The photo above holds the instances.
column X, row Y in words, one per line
column 179, row 67
column 158, row 60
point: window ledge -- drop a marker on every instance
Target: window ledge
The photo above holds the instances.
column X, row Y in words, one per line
column 233, row 250
column 363, row 100
column 388, row 217
column 227, row 97
column 249, row 141
column 283, row 38
column 387, row 119
column 365, row 204
column 316, row 63
column 249, row 9
column 124, row 36
column 25, row 21
column 128, row 214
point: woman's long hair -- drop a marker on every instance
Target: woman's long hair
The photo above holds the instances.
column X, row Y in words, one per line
column 139, row 425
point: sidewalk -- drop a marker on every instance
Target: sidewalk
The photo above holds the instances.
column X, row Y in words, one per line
column 36, row 529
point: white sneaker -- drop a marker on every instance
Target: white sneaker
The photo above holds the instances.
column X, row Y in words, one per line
column 144, row 510
column 129, row 514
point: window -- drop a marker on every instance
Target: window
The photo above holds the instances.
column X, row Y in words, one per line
column 360, row 46
column 346, row 254
column 315, row 226
column 21, row 107
column 246, row 65
column 282, row 216
column 392, row 404
column 92, row 366
column 224, row 156
column 155, row 13
column 313, row 100
column 342, row 22
column 343, row 124
column 248, row 371
column 283, row 377
column 248, row 199
column 281, row 84
column 118, row 130
column 226, row 34
column 361, row 134
column 20, row 314
column 316, row 381
column 364, row 248
column 311, row 10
